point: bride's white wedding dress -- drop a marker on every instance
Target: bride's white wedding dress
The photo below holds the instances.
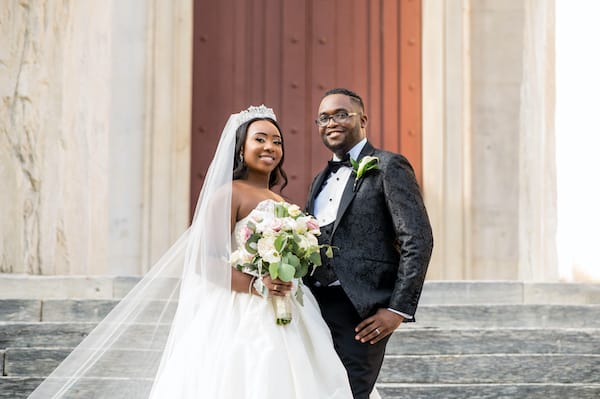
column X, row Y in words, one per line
column 254, row 357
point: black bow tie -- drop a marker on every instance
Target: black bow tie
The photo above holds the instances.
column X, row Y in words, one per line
column 333, row 166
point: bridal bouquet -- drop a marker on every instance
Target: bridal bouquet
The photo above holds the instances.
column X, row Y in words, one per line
column 280, row 240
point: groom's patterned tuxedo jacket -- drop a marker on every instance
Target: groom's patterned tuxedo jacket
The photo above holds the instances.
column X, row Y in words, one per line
column 382, row 236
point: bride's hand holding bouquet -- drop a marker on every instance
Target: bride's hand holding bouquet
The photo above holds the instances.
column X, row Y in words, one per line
column 279, row 243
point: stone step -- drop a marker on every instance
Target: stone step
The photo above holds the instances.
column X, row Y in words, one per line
column 494, row 341
column 95, row 310
column 76, row 309
column 20, row 310
column 82, row 310
column 20, row 286
column 23, row 286
column 405, row 341
column 489, row 391
column 21, row 387
column 69, row 335
column 39, row 362
column 431, row 316
column 424, row 369
column 506, row 316
column 31, row 362
column 491, row 369
column 508, row 292
column 17, row 387
column 43, row 334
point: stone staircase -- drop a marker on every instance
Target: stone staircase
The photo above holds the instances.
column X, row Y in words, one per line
column 471, row 339
column 498, row 340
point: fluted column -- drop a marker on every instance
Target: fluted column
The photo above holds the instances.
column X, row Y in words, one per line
column 54, row 65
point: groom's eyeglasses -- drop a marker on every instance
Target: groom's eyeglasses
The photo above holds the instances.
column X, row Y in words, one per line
column 338, row 117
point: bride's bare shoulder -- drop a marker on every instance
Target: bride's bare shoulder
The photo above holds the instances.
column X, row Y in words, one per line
column 241, row 194
column 245, row 197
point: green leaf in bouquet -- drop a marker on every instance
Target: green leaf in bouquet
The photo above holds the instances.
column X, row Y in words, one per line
column 292, row 259
column 315, row 258
column 286, row 272
column 302, row 270
column 247, row 266
column 297, row 237
column 251, row 243
column 274, row 270
column 300, row 253
column 300, row 294
column 280, row 242
column 280, row 211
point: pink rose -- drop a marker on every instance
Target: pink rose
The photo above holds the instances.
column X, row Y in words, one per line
column 246, row 232
column 277, row 225
column 313, row 226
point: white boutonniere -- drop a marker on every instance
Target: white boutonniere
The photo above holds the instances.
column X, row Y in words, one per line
column 366, row 164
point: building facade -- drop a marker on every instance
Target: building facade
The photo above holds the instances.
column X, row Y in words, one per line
column 99, row 128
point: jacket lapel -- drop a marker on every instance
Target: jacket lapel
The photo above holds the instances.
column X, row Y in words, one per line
column 349, row 191
column 347, row 198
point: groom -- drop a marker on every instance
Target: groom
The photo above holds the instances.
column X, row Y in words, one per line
column 382, row 240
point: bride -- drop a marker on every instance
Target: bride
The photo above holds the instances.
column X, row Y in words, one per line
column 194, row 327
column 254, row 357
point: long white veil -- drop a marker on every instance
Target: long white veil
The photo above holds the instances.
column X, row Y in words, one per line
column 130, row 349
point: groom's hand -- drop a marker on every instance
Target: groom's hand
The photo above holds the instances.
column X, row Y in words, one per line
column 378, row 326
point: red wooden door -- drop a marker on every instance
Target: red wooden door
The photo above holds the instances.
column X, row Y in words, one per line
column 286, row 54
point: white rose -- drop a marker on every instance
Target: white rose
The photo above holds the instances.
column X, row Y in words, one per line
column 307, row 241
column 312, row 240
column 266, row 249
column 240, row 257
column 289, row 224
column 236, row 258
column 303, row 242
column 302, row 224
column 294, row 211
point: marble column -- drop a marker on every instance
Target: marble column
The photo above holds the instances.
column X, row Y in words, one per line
column 488, row 150
column 94, row 134
column 54, row 68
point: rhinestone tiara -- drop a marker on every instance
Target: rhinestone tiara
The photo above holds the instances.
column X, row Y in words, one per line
column 253, row 112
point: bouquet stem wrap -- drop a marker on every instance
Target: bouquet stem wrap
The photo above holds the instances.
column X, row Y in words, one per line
column 282, row 305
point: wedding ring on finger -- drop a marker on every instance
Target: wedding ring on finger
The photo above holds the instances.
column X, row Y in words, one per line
column 377, row 331
column 276, row 287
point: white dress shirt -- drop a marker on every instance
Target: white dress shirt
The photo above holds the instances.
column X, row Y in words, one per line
column 328, row 199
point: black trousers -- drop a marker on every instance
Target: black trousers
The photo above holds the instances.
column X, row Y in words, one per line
column 362, row 361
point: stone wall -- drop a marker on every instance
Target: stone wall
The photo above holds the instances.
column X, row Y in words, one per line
column 94, row 134
column 496, row 76
column 489, row 170
column 54, row 65
column 95, row 137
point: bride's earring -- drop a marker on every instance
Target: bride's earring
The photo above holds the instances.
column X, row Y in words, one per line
column 241, row 158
